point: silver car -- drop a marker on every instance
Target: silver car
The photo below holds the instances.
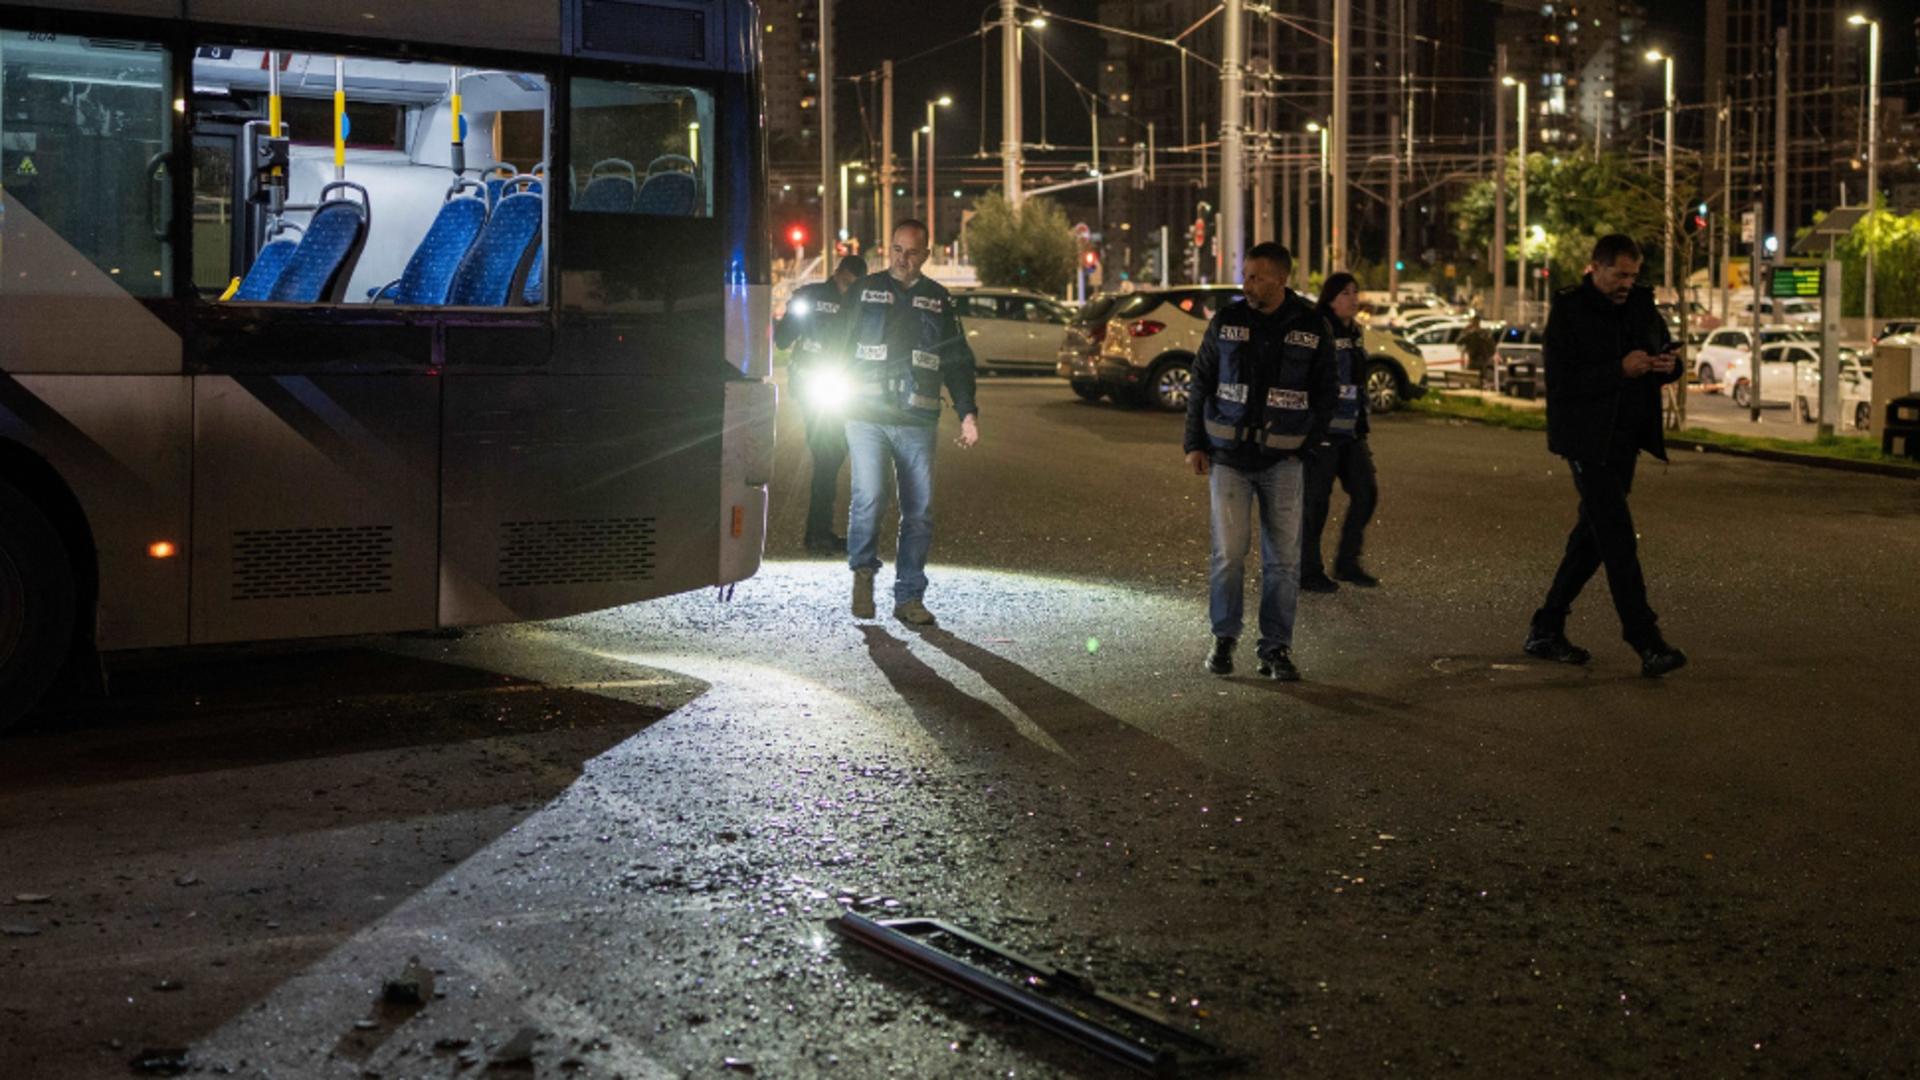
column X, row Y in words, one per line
column 1011, row 329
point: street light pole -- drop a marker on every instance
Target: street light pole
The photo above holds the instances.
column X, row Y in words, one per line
column 1520, row 278
column 1233, row 197
column 1499, row 260
column 886, row 156
column 1342, row 133
column 1666, row 273
column 1327, row 251
column 829, row 232
column 933, row 193
column 1010, row 100
column 1873, row 145
column 913, row 179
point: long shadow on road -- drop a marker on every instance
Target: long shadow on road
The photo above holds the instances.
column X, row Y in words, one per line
column 222, row 824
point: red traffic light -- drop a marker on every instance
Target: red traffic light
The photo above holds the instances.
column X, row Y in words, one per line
column 797, row 236
column 1089, row 259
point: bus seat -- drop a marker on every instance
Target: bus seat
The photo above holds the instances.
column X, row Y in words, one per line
column 607, row 195
column 267, row 267
column 498, row 261
column 429, row 274
column 319, row 269
column 534, row 292
column 670, row 194
column 498, row 178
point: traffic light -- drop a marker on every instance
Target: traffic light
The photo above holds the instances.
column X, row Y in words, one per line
column 1089, row 259
column 797, row 236
column 1696, row 221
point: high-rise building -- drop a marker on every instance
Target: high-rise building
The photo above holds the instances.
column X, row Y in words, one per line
column 790, row 74
column 1583, row 65
column 1824, row 77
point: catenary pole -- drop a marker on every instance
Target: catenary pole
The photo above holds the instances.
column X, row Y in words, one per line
column 1233, row 196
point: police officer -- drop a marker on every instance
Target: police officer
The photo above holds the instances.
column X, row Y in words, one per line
column 1345, row 455
column 907, row 346
column 1608, row 353
column 815, row 328
column 1263, row 392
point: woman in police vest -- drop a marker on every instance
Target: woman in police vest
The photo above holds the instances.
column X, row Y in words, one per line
column 1345, row 454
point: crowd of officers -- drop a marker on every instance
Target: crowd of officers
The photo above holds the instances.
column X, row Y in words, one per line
column 1276, row 416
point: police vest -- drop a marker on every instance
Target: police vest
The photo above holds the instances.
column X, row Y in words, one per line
column 897, row 341
column 822, row 320
column 1350, row 355
column 1261, row 396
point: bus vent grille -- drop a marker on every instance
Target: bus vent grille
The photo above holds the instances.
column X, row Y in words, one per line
column 591, row 552
column 281, row 564
column 639, row 29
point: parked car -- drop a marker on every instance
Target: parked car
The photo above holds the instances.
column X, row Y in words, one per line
column 1011, row 329
column 1780, row 365
column 1856, row 391
column 1903, row 328
column 1152, row 335
column 1698, row 317
column 1728, row 346
column 1784, row 310
column 1439, row 343
column 1078, row 360
column 1146, row 357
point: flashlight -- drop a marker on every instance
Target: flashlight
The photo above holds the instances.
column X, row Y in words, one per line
column 799, row 307
column 829, row 390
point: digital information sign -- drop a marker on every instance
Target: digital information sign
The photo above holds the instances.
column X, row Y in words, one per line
column 1797, row 281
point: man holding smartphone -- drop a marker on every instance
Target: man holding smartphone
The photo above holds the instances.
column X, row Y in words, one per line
column 1608, row 353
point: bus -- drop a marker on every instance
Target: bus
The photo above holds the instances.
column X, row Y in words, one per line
column 323, row 318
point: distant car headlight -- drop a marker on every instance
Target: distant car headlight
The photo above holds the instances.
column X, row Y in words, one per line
column 828, row 390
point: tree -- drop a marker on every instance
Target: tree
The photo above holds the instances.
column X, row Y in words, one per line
column 1895, row 240
column 1575, row 199
column 1032, row 248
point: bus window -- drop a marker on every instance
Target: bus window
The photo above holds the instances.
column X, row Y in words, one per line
column 641, row 149
column 429, row 189
column 85, row 127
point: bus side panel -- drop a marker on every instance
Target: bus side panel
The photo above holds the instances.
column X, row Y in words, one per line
column 315, row 505
column 61, row 313
column 531, row 25
column 746, row 469
column 159, row 9
column 571, row 493
column 123, row 444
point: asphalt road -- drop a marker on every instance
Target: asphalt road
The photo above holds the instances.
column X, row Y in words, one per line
column 620, row 836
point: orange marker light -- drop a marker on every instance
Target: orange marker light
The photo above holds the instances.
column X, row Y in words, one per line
column 161, row 549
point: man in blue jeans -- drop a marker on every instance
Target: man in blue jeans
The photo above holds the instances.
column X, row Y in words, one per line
column 1264, row 388
column 907, row 346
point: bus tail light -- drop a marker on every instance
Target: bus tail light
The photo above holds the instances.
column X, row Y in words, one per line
column 162, row 549
column 739, row 521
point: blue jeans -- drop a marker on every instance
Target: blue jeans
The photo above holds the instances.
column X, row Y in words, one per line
column 908, row 450
column 1277, row 493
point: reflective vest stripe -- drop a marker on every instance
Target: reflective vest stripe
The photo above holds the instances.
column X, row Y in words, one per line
column 921, row 401
column 1343, row 425
column 1282, row 442
column 1218, row 430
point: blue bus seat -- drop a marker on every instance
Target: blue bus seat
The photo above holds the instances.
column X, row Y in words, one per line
column 429, row 275
column 498, row 262
column 320, row 268
column 267, row 267
column 671, row 194
column 612, row 185
column 535, row 290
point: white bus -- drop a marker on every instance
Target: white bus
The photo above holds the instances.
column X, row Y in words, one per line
column 321, row 318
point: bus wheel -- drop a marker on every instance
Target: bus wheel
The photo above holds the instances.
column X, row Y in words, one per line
column 36, row 604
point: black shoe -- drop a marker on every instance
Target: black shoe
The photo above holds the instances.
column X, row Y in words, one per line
column 1660, row 659
column 1220, row 661
column 1353, row 575
column 1553, row 645
column 1317, row 581
column 826, row 545
column 1277, row 665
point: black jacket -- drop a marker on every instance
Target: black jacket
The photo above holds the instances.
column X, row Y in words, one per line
column 815, row 325
column 1350, row 360
column 1587, row 337
column 895, row 322
column 1268, row 337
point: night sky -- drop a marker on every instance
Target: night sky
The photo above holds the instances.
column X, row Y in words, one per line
column 873, row 30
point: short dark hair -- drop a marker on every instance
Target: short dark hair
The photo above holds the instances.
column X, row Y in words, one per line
column 926, row 234
column 852, row 264
column 1612, row 246
column 1277, row 254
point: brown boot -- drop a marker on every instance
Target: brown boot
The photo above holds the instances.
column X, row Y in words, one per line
column 863, row 594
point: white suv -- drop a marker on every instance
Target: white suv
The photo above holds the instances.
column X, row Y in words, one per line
column 1726, row 349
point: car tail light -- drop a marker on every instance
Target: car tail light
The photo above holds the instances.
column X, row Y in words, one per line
column 1097, row 334
column 1145, row 327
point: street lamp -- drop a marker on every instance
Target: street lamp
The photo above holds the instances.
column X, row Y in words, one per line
column 1655, row 56
column 1314, row 127
column 933, row 203
column 1521, row 112
column 913, row 175
column 1873, row 144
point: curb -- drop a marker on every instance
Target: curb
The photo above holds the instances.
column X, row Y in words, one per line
column 1785, row 457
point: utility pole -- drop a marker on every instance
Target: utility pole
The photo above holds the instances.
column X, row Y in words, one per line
column 1393, row 211
column 1337, row 239
column 1520, row 278
column 1262, row 135
column 1303, row 252
column 829, row 179
column 1726, row 204
column 1233, row 196
column 1873, row 146
column 1780, row 62
column 1009, row 101
column 886, row 156
column 1285, row 235
column 1499, row 181
column 1671, row 208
